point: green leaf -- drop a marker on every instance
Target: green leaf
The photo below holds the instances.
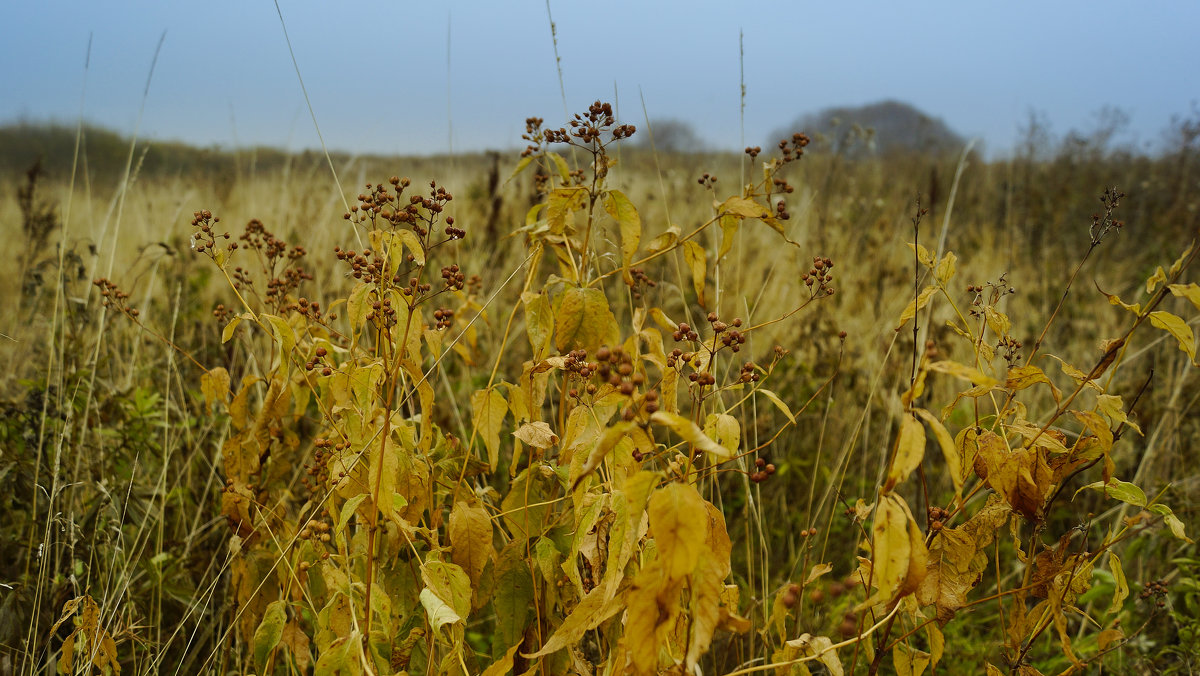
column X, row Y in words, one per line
column 269, row 631
column 1121, row 490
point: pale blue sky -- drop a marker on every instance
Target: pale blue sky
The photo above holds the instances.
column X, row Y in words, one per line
column 377, row 72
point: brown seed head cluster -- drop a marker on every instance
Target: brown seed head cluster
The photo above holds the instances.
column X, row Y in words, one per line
column 595, row 128
column 114, row 298
column 819, row 279
column 763, row 471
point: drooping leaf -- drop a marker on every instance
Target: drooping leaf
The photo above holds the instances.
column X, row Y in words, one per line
column 910, row 450
column 539, row 323
column 537, row 434
column 629, row 222
column 488, row 408
column 957, row 559
column 1021, row 377
column 284, row 333
column 1189, row 291
column 470, row 531
column 690, row 433
column 413, row 244
column 916, row 305
column 607, row 441
column 891, row 550
column 584, row 321
column 821, row 647
column 678, row 520
column 269, row 631
column 215, row 386
column 1178, row 328
column 589, row 613
column 949, row 451
column 697, row 261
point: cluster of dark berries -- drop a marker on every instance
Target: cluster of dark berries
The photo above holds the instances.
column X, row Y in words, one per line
column 1103, row 224
column 204, row 240
column 937, row 517
column 795, row 148
column 533, row 134
column 113, row 298
column 753, row 151
column 223, row 314
column 455, row 280
column 996, row 290
column 685, row 332
column 382, row 311
column 781, row 211
column 309, row 309
column 280, row 263
column 749, row 373
column 782, row 185
column 641, row 282
column 324, row 450
column 616, row 367
column 763, row 472
column 316, row 530
column 707, row 180
column 379, row 202
column 318, row 359
column 819, row 279
column 590, row 127
column 1010, row 348
column 444, row 317
column 576, row 363
column 1157, row 589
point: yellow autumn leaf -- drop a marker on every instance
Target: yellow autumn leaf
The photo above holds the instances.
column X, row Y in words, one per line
column 945, row 268
column 283, row 332
column 965, row 372
column 949, row 451
column 584, row 321
column 916, row 305
column 679, row 521
column 489, row 408
column 910, row 450
column 697, row 262
column 215, row 386
column 1178, row 328
column 629, row 224
column 891, row 550
column 537, row 434
column 1189, row 291
column 410, row 241
column 608, row 441
column 470, row 531
column 690, row 433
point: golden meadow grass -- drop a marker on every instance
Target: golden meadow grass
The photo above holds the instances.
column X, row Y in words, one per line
column 552, row 459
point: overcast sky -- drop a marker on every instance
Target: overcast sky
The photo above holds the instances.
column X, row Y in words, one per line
column 414, row 77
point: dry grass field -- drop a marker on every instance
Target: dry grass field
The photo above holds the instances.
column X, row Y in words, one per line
column 443, row 415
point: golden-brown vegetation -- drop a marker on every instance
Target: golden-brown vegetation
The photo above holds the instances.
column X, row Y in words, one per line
column 595, row 410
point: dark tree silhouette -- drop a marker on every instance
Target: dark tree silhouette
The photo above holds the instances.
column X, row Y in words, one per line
column 885, row 127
